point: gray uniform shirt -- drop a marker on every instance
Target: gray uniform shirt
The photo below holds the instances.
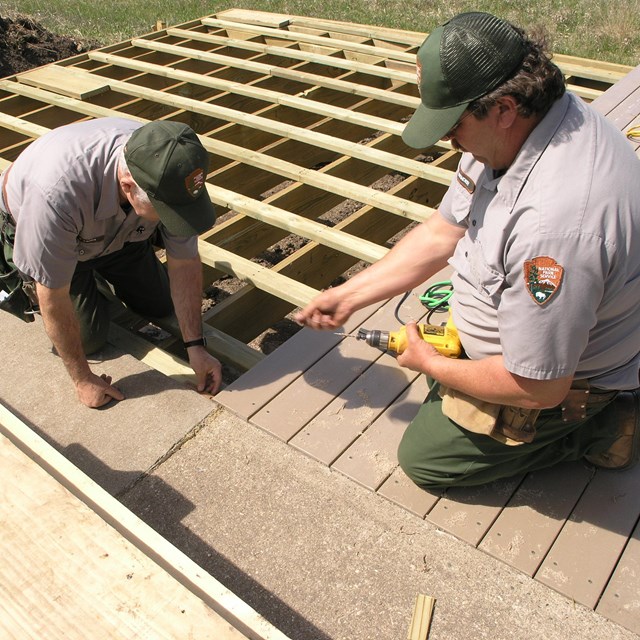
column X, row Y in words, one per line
column 63, row 194
column 548, row 272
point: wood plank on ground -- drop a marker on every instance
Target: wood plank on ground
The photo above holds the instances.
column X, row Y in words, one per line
column 67, row 573
column 584, row 556
column 527, row 527
column 155, row 556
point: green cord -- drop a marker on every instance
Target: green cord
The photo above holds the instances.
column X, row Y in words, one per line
column 437, row 296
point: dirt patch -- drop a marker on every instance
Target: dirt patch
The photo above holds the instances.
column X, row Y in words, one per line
column 24, row 44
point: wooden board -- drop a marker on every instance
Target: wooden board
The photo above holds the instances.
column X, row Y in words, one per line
column 75, row 561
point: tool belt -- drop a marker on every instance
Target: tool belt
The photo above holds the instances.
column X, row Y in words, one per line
column 514, row 425
column 17, row 294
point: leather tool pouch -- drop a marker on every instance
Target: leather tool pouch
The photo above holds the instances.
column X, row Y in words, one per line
column 509, row 425
column 16, row 295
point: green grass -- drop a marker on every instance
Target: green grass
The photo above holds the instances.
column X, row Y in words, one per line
column 607, row 30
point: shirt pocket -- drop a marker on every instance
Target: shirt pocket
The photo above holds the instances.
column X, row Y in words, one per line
column 470, row 263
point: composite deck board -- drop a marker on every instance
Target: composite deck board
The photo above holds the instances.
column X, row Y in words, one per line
column 582, row 559
column 529, row 524
column 321, row 383
column 403, row 492
column 469, row 512
column 621, row 599
column 372, row 458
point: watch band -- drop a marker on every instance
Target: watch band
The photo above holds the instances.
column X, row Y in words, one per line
column 200, row 342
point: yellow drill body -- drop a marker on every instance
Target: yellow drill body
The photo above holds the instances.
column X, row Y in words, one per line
column 443, row 337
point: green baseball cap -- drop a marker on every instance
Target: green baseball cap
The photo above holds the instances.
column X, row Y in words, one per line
column 460, row 61
column 168, row 161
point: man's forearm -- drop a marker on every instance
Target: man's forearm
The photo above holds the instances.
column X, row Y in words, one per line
column 186, row 291
column 488, row 380
column 423, row 252
column 61, row 325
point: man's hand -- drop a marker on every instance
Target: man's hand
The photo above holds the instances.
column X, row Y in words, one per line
column 96, row 391
column 207, row 368
column 329, row 310
column 418, row 354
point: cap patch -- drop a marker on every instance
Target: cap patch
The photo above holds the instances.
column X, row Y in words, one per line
column 466, row 181
column 194, row 182
column 419, row 74
column 543, row 276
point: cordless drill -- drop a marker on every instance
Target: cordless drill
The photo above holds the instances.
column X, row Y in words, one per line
column 443, row 337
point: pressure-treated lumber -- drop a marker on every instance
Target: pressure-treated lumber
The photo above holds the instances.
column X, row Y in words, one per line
column 154, row 584
column 421, row 617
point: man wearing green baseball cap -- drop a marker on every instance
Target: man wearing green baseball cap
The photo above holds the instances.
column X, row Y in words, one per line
column 541, row 225
column 94, row 199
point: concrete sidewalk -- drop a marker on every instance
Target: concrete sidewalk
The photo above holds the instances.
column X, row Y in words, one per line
column 316, row 554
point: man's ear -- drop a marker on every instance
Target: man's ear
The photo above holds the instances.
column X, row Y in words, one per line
column 507, row 111
column 127, row 184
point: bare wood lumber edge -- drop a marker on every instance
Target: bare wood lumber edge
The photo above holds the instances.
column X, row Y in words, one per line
column 408, row 76
column 262, row 278
column 251, row 91
column 137, row 532
column 323, row 41
column 334, row 238
column 297, row 54
column 352, row 149
column 296, row 74
column 584, row 67
column 421, row 618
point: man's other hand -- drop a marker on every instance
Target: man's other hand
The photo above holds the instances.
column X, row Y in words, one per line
column 207, row 369
column 97, row 391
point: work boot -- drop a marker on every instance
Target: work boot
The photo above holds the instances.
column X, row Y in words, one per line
column 624, row 416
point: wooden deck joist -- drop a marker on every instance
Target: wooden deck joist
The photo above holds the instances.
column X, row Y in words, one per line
column 301, row 116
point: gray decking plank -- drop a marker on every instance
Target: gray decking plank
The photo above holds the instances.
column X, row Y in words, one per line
column 372, row 458
column 350, row 414
column 403, row 492
column 617, row 93
column 469, row 512
column 249, row 393
column 310, row 393
column 621, row 599
column 527, row 527
column 586, row 552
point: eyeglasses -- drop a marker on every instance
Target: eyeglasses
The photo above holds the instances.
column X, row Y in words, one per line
column 452, row 131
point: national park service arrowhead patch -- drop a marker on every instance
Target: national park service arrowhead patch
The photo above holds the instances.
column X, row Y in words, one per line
column 543, row 276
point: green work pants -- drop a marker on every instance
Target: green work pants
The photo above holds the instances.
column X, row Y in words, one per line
column 138, row 279
column 437, row 453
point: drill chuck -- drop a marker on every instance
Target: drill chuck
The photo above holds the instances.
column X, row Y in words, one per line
column 374, row 338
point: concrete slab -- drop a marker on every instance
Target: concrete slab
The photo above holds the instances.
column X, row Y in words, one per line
column 323, row 558
column 319, row 556
column 114, row 444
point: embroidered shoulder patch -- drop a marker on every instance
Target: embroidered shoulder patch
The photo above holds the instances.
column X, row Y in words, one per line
column 543, row 276
column 466, row 181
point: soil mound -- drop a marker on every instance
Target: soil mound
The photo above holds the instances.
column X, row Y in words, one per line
column 24, row 44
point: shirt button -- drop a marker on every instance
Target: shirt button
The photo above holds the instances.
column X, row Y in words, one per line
column 466, row 254
column 81, row 252
column 473, row 222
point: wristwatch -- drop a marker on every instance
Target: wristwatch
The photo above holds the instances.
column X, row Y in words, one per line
column 200, row 342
